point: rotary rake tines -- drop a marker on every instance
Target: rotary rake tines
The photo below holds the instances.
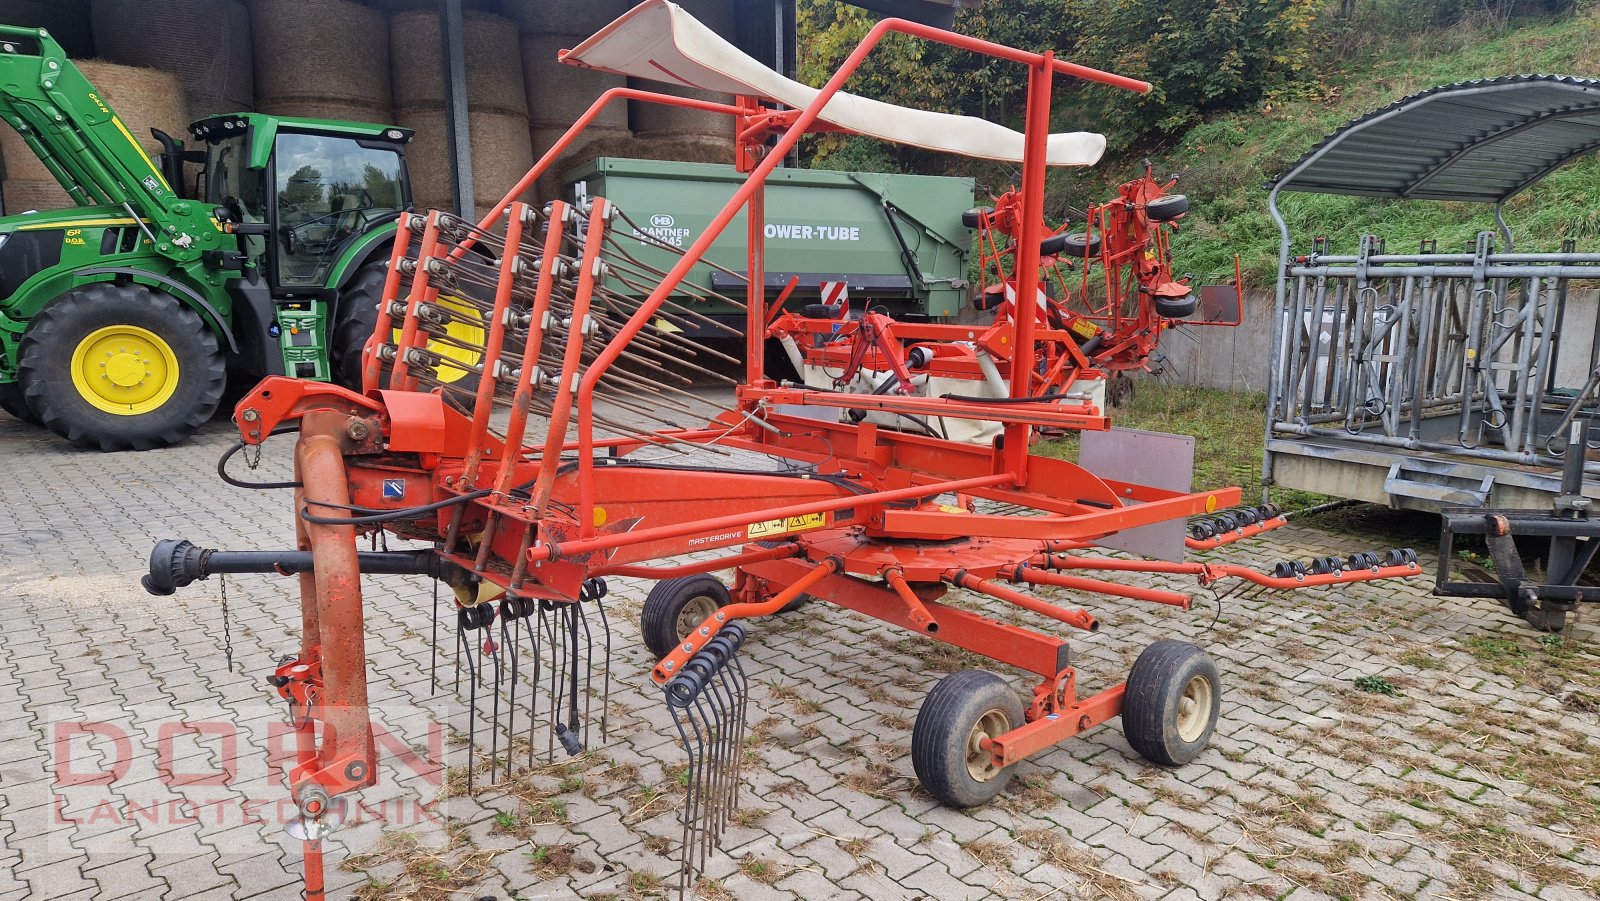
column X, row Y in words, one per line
column 529, row 306
column 544, row 652
column 708, row 700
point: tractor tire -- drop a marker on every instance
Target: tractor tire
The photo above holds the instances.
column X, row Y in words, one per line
column 675, row 606
column 944, row 750
column 1170, row 706
column 12, row 401
column 1168, row 208
column 358, row 315
column 120, row 367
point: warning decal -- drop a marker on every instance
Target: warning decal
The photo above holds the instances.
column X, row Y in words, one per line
column 770, row 527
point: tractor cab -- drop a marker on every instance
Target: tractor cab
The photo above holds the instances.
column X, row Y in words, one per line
column 301, row 193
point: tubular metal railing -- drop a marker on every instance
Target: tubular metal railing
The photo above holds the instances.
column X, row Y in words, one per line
column 1450, row 352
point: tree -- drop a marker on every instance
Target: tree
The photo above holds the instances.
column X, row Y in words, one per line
column 1201, row 56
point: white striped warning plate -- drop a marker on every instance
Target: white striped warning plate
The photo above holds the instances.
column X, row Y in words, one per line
column 835, row 293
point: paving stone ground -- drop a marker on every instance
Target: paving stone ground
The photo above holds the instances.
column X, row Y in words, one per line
column 135, row 764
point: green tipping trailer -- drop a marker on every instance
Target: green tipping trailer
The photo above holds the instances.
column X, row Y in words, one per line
column 897, row 240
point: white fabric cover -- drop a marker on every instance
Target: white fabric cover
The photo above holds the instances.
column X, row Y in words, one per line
column 657, row 40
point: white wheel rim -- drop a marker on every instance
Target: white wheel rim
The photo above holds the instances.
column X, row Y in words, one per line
column 980, row 760
column 1194, row 708
column 694, row 613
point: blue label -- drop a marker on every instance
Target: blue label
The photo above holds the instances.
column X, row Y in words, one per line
column 394, row 489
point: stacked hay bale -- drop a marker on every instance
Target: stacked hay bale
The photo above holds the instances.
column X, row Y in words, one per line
column 558, row 94
column 66, row 20
column 672, row 132
column 144, row 98
column 497, row 100
column 342, row 74
column 206, row 43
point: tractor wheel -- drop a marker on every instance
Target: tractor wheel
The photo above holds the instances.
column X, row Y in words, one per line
column 358, row 315
column 12, row 401
column 962, row 710
column 674, row 607
column 115, row 368
column 1169, row 709
column 1165, row 209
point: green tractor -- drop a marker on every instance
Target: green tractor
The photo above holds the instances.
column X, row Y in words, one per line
column 122, row 319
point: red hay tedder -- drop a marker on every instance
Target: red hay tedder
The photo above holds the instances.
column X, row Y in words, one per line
column 582, row 444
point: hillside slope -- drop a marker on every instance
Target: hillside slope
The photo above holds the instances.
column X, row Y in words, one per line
column 1225, row 161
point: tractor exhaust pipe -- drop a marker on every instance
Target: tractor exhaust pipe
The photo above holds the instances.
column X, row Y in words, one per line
column 176, row 563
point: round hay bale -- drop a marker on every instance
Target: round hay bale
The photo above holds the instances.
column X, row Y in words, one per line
column 66, row 20
column 502, row 153
column 558, row 94
column 22, row 195
column 655, row 121
column 344, row 110
column 427, row 160
column 564, row 16
column 588, row 146
column 348, row 63
column 143, row 98
column 206, row 43
column 397, row 6
column 494, row 68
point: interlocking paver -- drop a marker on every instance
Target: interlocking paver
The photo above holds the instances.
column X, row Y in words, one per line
column 1399, row 780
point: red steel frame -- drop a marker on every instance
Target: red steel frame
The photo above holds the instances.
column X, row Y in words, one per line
column 884, row 549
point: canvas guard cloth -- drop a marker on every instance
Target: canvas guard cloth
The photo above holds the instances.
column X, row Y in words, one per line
column 657, row 40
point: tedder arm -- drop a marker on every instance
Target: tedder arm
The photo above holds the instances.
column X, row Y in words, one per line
column 80, row 139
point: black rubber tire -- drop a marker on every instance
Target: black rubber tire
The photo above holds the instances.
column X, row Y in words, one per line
column 971, row 217
column 358, row 314
column 1176, row 307
column 1120, row 391
column 1153, row 701
column 1166, row 209
column 45, row 369
column 12, row 401
column 1052, row 245
column 940, row 739
column 658, row 621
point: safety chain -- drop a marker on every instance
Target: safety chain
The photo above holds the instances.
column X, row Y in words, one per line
column 227, row 631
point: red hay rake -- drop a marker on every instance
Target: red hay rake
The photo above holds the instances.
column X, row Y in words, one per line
column 543, row 431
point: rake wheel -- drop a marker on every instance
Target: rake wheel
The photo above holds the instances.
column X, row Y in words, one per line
column 1170, row 707
column 963, row 709
column 675, row 606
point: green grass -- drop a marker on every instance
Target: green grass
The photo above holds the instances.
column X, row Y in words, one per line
column 1225, row 161
column 1228, row 428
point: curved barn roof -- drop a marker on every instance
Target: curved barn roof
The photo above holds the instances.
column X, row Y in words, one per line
column 1475, row 141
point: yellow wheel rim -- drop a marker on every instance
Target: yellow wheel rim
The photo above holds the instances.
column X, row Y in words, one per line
column 468, row 332
column 125, row 370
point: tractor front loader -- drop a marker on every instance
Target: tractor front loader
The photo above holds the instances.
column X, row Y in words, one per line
column 121, row 319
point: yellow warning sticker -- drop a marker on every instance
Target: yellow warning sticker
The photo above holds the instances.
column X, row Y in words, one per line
column 770, row 527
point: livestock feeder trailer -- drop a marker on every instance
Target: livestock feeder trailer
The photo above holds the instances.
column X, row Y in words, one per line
column 1457, row 380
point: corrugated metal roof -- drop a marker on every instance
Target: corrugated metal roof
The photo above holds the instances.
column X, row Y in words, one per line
column 1474, row 140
